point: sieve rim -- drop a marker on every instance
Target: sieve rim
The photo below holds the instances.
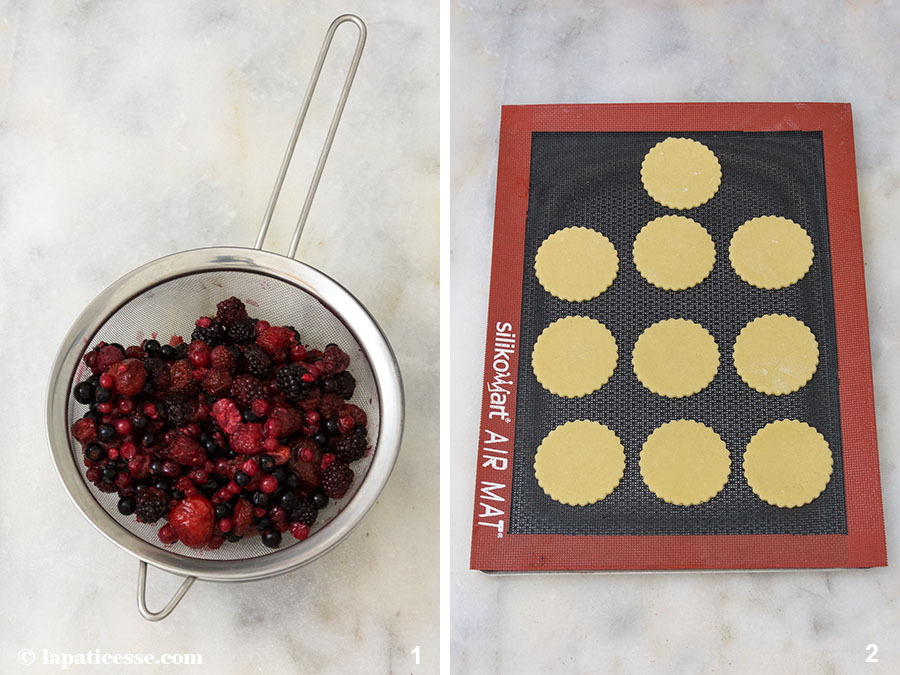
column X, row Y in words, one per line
column 337, row 299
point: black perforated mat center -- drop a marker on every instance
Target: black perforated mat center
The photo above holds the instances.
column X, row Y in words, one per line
column 593, row 180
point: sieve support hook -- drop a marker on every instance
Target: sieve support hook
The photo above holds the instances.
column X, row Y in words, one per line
column 142, row 595
column 329, row 138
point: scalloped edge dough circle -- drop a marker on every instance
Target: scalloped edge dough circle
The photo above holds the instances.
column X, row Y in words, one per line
column 579, row 463
column 574, row 356
column 576, row 264
column 771, row 252
column 681, row 173
column 776, row 354
column 674, row 252
column 685, row 462
column 788, row 463
column 675, row 358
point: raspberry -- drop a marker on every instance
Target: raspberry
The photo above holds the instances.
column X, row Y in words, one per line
column 334, row 360
column 217, row 381
column 221, row 357
column 336, row 479
column 349, row 448
column 134, row 352
column 305, row 512
column 193, row 519
column 247, row 439
column 289, row 379
column 85, row 431
column 242, row 331
column 256, row 360
column 276, row 340
column 151, row 505
column 179, row 409
column 245, row 389
column 181, row 377
column 358, row 415
column 211, row 334
column 158, row 372
column 330, row 405
column 243, row 514
column 108, row 356
column 231, row 310
column 227, row 415
column 300, row 531
column 129, row 376
column 185, row 451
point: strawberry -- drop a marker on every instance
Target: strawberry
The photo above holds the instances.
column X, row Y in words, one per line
column 359, row 417
column 227, row 415
column 217, row 381
column 309, row 472
column 276, row 341
column 193, row 519
column 247, row 439
column 243, row 513
column 291, row 420
column 221, row 357
column 185, row 450
column 181, row 377
column 129, row 376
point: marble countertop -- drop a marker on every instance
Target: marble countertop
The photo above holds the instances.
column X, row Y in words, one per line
column 577, row 51
column 129, row 131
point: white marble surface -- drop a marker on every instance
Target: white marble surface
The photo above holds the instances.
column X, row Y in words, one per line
column 133, row 130
column 573, row 51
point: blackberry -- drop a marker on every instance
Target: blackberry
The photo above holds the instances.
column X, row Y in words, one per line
column 336, row 479
column 211, row 335
column 304, row 512
column 289, row 381
column 231, row 310
column 151, row 504
column 245, row 389
column 256, row 360
column 346, row 385
column 349, row 447
column 242, row 331
column 157, row 373
column 179, row 409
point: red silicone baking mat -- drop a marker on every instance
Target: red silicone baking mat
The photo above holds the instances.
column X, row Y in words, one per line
column 580, row 165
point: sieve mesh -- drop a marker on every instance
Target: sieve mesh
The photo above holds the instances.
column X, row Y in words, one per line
column 171, row 308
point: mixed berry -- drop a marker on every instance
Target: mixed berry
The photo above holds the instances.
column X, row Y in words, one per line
column 242, row 430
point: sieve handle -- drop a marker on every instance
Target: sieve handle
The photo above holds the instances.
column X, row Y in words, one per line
column 329, row 138
column 142, row 595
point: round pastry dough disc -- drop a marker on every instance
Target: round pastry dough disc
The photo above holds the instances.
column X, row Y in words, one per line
column 576, row 264
column 579, row 463
column 685, row 462
column 674, row 252
column 574, row 356
column 770, row 252
column 675, row 358
column 776, row 354
column 788, row 463
column 681, row 173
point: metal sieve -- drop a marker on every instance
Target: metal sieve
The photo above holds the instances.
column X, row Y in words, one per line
column 166, row 296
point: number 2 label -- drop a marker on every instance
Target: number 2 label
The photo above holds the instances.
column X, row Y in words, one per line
column 872, row 650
